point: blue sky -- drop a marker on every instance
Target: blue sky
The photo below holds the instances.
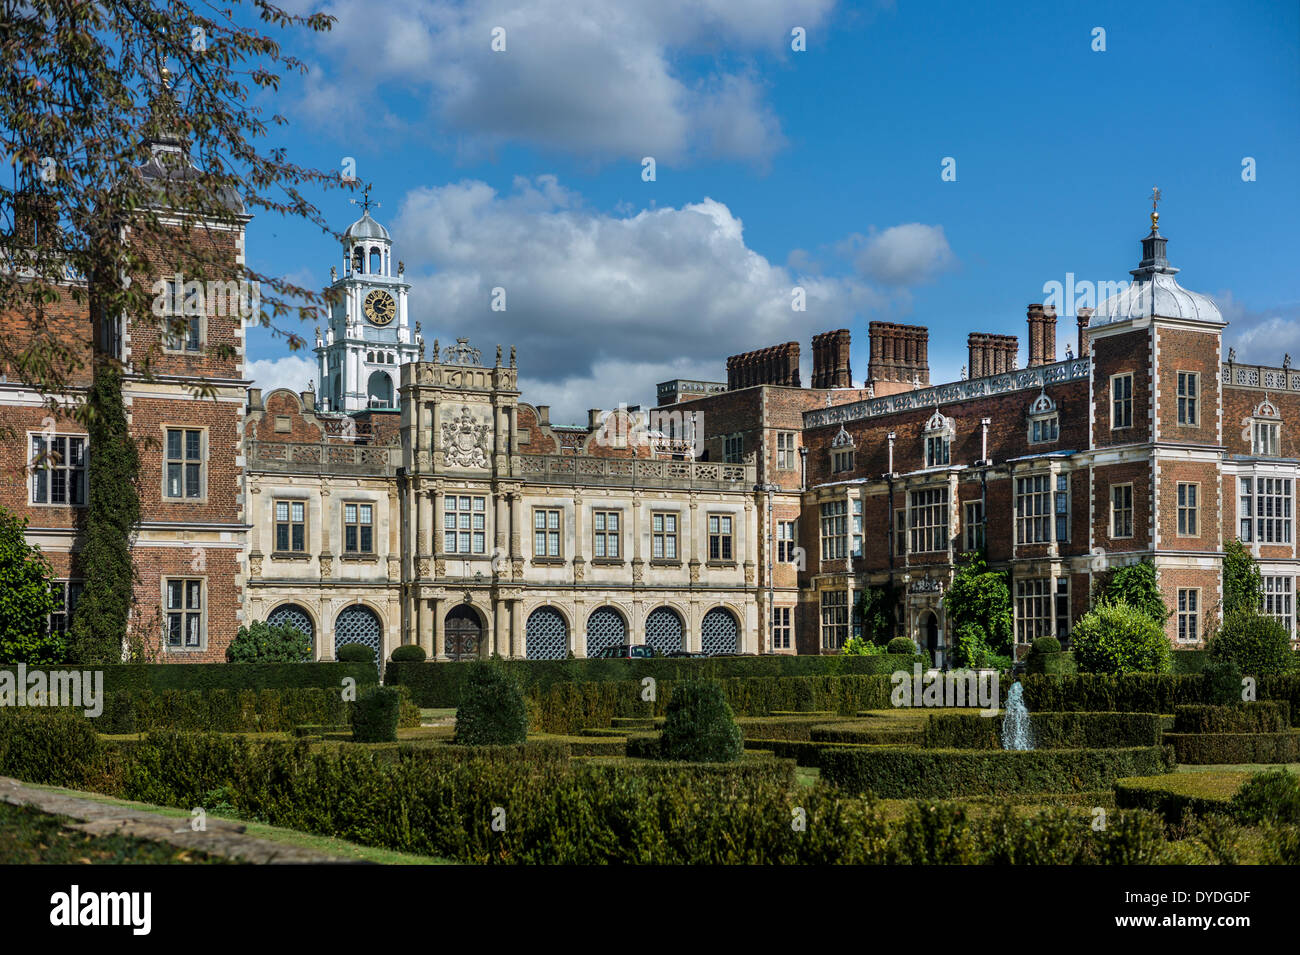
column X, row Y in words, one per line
column 774, row 168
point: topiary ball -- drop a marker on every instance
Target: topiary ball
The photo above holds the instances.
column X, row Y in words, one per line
column 1046, row 645
column 901, row 645
column 699, row 726
column 1257, row 643
column 354, row 653
column 409, row 653
column 492, row 711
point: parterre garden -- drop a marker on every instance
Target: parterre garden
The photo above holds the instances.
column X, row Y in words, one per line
column 684, row 761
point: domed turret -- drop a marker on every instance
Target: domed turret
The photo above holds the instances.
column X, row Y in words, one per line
column 1154, row 290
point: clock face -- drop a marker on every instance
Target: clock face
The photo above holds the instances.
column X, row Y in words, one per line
column 379, row 307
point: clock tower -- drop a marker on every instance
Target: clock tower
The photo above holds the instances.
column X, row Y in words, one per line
column 369, row 335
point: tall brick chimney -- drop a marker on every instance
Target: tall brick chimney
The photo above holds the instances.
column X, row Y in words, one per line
column 1083, row 318
column 831, row 360
column 1042, row 335
column 991, row 354
column 899, row 357
column 778, row 365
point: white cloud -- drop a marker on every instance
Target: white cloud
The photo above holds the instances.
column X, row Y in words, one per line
column 292, row 372
column 604, row 305
column 902, row 254
column 1260, row 337
column 601, row 79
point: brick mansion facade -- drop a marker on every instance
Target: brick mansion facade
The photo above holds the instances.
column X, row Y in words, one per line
column 414, row 497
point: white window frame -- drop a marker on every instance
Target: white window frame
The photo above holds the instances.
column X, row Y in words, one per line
column 1277, row 599
column 1034, row 508
column 188, row 616
column 185, row 462
column 1189, row 614
column 1189, row 399
column 1120, row 403
column 1116, row 511
column 471, row 539
column 44, row 467
column 1189, row 498
column 928, row 520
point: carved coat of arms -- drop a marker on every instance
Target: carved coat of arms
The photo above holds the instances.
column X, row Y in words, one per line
column 464, row 441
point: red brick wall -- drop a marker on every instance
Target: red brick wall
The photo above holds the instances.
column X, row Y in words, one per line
column 1126, row 353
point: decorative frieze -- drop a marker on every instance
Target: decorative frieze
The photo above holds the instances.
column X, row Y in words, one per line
column 957, row 391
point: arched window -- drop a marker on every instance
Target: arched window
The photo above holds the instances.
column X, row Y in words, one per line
column 376, row 260
column 719, row 632
column 663, row 630
column 1044, row 422
column 842, row 452
column 546, row 635
column 1266, row 431
column 358, row 260
column 938, row 440
column 370, row 357
column 605, row 628
column 296, row 617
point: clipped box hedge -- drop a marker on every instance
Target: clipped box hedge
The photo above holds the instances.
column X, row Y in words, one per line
column 435, row 684
column 867, row 732
column 1262, row 717
column 1063, row 730
column 1200, row 749
column 157, row 677
column 224, row 711
column 1058, row 663
column 568, row 708
column 1176, row 794
column 900, row 772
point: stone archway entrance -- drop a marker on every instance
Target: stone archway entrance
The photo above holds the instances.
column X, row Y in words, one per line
column 462, row 633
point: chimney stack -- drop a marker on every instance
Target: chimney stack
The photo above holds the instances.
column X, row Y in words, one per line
column 1084, row 317
column 778, row 365
column 831, row 360
column 899, row 355
column 991, row 354
column 1042, row 335
column 593, row 418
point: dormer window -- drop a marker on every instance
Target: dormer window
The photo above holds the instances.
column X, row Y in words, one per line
column 1044, row 420
column 1266, row 431
column 938, row 440
column 842, row 452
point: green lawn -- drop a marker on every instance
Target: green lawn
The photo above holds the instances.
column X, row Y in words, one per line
column 29, row 836
column 289, row 837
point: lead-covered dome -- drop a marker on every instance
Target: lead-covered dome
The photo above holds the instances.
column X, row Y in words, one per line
column 1154, row 291
column 367, row 228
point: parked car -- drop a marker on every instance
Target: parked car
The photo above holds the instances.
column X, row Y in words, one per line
column 626, row 651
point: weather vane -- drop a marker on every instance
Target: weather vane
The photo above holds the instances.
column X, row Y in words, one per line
column 1155, row 201
column 365, row 203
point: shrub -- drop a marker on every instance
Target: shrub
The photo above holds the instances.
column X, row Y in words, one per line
column 492, row 709
column 901, row 645
column 1046, row 645
column 409, row 653
column 354, row 653
column 54, row 747
column 1257, row 643
column 1243, row 585
column 699, row 725
column 1222, row 679
column 1136, row 586
column 25, row 598
column 1116, row 638
column 264, row 642
column 1271, row 796
column 978, row 606
column 375, row 715
column 857, row 647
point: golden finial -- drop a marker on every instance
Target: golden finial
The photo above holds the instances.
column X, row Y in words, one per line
column 1155, row 215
